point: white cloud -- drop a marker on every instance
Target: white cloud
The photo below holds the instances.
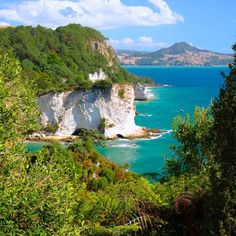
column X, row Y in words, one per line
column 114, row 41
column 127, row 41
column 145, row 40
column 141, row 42
column 95, row 13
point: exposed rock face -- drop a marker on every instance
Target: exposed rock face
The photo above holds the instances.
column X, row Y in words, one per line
column 142, row 93
column 97, row 76
column 106, row 50
column 74, row 110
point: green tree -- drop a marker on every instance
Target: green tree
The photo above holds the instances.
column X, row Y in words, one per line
column 224, row 173
column 206, row 149
column 194, row 149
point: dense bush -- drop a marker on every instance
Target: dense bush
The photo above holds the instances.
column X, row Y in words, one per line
column 121, row 93
column 51, row 128
column 102, row 125
column 206, row 152
column 102, row 84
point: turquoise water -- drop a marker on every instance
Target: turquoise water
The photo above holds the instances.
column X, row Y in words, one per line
column 34, row 146
column 191, row 86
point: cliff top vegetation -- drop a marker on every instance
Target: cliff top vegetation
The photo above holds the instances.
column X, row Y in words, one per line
column 62, row 59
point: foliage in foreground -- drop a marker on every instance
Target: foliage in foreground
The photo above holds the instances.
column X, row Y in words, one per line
column 69, row 191
column 75, row 191
column 207, row 148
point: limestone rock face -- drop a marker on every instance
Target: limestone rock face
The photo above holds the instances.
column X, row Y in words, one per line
column 97, row 76
column 74, row 110
column 141, row 93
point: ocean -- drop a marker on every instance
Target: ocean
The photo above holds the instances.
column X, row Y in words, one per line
column 188, row 87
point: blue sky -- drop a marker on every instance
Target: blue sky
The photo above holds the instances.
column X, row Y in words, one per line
column 135, row 24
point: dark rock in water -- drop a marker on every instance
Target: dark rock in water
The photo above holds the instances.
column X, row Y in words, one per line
column 156, row 131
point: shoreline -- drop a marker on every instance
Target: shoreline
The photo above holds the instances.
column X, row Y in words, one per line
column 147, row 134
column 169, row 66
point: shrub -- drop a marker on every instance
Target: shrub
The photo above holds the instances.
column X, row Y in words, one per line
column 102, row 183
column 121, row 93
column 109, row 174
column 51, row 128
column 102, row 84
column 102, row 125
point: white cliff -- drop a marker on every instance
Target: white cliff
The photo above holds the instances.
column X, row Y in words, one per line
column 74, row 110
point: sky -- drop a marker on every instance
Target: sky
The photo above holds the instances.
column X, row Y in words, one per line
column 143, row 25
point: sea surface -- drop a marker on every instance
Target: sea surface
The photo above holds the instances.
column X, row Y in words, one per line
column 188, row 87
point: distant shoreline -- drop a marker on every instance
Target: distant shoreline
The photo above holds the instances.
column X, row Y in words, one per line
column 168, row 66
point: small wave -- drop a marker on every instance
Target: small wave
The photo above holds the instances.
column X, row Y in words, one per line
column 168, row 131
column 123, row 139
column 156, row 137
column 124, row 146
column 149, row 92
column 148, row 115
column 149, row 138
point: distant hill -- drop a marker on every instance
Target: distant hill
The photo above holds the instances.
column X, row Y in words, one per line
column 179, row 54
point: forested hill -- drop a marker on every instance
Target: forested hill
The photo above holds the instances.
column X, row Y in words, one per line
column 179, row 54
column 62, row 59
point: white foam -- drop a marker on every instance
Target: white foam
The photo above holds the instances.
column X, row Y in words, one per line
column 124, row 146
column 147, row 115
column 149, row 138
column 149, row 92
column 155, row 136
column 123, row 139
column 168, row 131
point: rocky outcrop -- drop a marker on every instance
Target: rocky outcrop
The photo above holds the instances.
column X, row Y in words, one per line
column 73, row 110
column 106, row 50
column 97, row 76
column 142, row 93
